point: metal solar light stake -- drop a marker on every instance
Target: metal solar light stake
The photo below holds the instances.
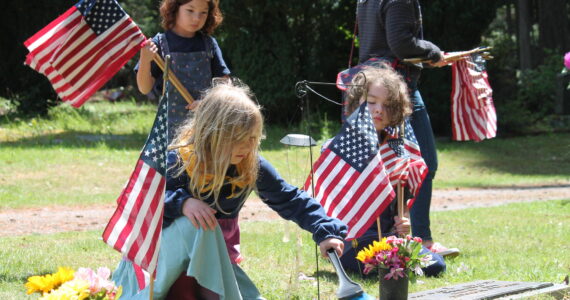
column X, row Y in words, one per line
column 299, row 140
column 347, row 289
column 294, row 140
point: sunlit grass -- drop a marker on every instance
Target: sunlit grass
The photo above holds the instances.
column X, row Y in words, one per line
column 516, row 242
column 84, row 156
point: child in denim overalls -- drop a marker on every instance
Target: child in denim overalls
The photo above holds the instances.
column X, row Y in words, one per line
column 195, row 55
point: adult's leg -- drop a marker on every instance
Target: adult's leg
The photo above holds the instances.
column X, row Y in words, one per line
column 424, row 134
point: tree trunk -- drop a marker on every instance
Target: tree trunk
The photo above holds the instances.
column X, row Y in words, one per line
column 553, row 25
column 523, row 15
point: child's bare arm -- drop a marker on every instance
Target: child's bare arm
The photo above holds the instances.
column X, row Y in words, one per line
column 145, row 81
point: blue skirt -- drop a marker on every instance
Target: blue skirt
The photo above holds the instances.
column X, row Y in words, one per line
column 201, row 253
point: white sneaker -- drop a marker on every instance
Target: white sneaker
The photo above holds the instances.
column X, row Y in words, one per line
column 444, row 251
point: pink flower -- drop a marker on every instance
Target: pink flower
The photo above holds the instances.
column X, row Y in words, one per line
column 567, row 60
column 97, row 281
column 395, row 273
column 417, row 239
column 408, row 237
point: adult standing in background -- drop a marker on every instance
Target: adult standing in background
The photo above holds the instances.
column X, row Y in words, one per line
column 392, row 30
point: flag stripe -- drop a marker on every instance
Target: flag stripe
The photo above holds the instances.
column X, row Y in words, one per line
column 125, row 208
column 144, row 182
column 149, row 202
column 472, row 111
column 50, row 30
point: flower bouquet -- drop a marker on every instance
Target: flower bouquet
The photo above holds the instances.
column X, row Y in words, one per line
column 69, row 284
column 398, row 261
column 399, row 256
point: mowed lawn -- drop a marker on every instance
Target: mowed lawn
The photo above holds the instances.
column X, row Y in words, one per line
column 84, row 157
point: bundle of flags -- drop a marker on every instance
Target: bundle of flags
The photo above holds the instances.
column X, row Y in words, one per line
column 403, row 159
column 473, row 114
column 349, row 178
column 83, row 48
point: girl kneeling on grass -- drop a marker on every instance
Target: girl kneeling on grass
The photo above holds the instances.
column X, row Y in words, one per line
column 212, row 168
column 387, row 99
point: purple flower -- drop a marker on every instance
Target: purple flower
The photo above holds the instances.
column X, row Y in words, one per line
column 567, row 60
column 395, row 273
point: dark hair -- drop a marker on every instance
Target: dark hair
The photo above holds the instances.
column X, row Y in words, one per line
column 398, row 105
column 169, row 9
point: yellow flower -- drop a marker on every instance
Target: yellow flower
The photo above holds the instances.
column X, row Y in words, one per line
column 372, row 250
column 46, row 283
column 76, row 289
column 39, row 284
column 380, row 246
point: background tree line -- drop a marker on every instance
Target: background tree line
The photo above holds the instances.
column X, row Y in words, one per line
column 271, row 45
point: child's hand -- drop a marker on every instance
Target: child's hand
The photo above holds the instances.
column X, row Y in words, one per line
column 148, row 51
column 331, row 243
column 192, row 106
column 199, row 213
column 402, row 225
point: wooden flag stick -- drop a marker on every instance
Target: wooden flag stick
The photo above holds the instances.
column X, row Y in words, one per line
column 177, row 84
column 452, row 56
column 400, row 200
column 379, row 228
column 400, row 187
column 151, row 291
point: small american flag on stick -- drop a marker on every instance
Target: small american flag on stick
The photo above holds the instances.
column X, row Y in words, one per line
column 135, row 227
column 83, row 48
column 349, row 177
column 403, row 159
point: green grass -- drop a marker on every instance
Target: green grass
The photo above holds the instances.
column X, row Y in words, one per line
column 497, row 244
column 84, row 156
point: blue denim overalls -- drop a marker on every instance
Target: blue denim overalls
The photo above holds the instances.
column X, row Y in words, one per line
column 194, row 70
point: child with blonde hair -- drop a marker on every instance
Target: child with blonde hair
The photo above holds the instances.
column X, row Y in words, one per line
column 214, row 164
column 387, row 98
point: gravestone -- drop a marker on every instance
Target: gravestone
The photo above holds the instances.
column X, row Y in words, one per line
column 479, row 290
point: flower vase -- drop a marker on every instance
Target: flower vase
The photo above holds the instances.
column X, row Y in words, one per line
column 392, row 289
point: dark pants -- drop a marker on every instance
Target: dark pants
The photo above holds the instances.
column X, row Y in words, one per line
column 419, row 214
column 350, row 263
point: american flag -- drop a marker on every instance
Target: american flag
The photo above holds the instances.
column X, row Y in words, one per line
column 403, row 159
column 349, row 178
column 135, row 227
column 83, row 48
column 473, row 114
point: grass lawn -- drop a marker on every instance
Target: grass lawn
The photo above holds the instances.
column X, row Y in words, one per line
column 497, row 244
column 84, row 156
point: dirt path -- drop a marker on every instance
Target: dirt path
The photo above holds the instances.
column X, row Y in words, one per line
column 63, row 218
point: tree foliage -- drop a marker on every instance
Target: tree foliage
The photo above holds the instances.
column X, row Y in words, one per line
column 20, row 20
column 271, row 45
